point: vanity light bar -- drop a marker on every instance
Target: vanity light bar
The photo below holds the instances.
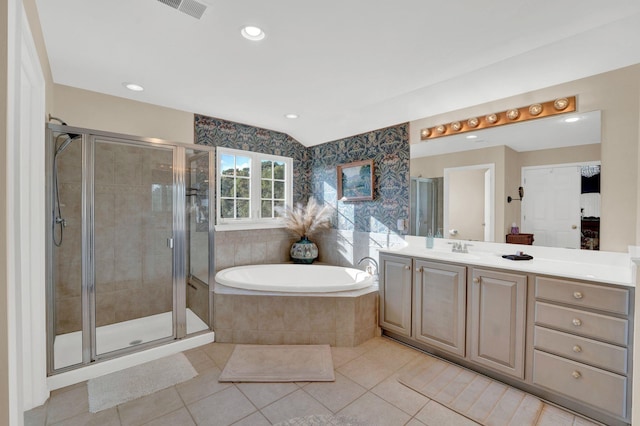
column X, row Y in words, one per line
column 514, row 115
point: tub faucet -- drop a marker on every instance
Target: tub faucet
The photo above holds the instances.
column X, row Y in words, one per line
column 372, row 260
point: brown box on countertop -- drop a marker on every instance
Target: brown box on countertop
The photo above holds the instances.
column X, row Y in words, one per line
column 520, row 239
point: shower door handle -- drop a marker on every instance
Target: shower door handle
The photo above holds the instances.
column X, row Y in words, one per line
column 170, row 243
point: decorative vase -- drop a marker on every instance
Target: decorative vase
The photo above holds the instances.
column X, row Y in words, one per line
column 304, row 251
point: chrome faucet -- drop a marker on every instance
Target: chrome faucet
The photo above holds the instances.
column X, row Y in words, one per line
column 459, row 248
column 375, row 263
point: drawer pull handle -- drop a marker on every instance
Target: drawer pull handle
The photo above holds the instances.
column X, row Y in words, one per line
column 476, row 280
column 577, row 295
column 576, row 322
column 577, row 349
column 576, row 374
column 407, row 267
column 419, row 269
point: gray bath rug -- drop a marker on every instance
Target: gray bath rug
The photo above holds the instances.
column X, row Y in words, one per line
column 112, row 389
column 279, row 363
column 323, row 420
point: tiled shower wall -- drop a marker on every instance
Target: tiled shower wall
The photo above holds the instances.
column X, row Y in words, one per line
column 68, row 257
column 133, row 219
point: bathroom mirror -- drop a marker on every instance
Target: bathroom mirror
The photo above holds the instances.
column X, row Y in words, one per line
column 544, row 142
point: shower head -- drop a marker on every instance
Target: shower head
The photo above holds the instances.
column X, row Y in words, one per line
column 65, row 144
column 71, row 135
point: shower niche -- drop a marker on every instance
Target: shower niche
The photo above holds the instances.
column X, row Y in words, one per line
column 129, row 243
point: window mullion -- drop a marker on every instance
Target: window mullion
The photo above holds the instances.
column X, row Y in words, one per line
column 256, row 175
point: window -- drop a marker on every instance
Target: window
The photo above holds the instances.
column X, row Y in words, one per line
column 251, row 186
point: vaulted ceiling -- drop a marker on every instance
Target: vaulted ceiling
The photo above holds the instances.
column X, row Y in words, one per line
column 345, row 67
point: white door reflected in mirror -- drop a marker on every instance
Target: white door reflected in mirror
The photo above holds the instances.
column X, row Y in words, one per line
column 555, row 206
column 469, row 200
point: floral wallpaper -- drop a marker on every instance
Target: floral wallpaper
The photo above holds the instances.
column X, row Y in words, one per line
column 216, row 132
column 389, row 148
column 315, row 168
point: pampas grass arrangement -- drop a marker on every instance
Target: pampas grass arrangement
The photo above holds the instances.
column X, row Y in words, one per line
column 306, row 221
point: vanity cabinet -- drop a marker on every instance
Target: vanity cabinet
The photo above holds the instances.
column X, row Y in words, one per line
column 581, row 343
column 424, row 301
column 498, row 319
column 395, row 294
column 439, row 305
column 565, row 340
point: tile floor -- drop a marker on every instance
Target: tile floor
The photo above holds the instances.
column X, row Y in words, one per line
column 366, row 387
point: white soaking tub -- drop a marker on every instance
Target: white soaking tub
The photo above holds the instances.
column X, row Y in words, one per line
column 294, row 278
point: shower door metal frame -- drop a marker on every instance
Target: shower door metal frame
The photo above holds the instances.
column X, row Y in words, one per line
column 433, row 207
column 179, row 272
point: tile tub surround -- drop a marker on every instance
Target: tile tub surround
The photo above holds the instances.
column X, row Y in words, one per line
column 337, row 319
column 366, row 388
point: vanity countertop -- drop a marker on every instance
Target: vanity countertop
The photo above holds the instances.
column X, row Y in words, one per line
column 597, row 266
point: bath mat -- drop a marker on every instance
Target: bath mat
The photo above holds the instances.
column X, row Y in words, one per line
column 472, row 395
column 112, row 389
column 279, row 363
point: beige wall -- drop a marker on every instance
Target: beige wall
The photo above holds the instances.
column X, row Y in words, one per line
column 572, row 154
column 616, row 95
column 466, row 204
column 512, row 182
column 91, row 110
column 4, row 326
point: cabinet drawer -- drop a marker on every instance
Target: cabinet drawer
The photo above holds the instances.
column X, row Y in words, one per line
column 599, row 388
column 588, row 324
column 608, row 299
column 598, row 354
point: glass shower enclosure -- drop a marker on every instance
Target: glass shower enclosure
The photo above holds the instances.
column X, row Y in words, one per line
column 426, row 206
column 129, row 243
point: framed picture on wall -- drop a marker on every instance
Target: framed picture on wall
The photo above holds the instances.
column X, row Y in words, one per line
column 355, row 181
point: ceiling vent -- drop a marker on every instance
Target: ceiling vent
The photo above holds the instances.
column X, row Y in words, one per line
column 190, row 7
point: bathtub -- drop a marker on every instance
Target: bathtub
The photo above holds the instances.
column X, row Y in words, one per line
column 294, row 304
column 294, row 278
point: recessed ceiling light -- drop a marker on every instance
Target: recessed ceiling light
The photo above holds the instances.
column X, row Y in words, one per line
column 252, row 33
column 292, row 116
column 472, row 137
column 571, row 119
column 133, row 86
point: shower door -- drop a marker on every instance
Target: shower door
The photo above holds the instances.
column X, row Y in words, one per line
column 130, row 240
column 133, row 230
column 199, row 235
column 426, row 206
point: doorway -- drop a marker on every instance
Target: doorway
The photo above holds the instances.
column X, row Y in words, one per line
column 469, row 202
column 555, row 209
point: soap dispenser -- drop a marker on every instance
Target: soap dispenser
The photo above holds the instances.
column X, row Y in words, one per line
column 514, row 229
column 430, row 239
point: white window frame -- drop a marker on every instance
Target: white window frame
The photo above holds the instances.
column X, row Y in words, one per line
column 254, row 221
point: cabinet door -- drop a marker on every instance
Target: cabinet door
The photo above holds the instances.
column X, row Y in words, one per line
column 498, row 317
column 395, row 294
column 440, row 297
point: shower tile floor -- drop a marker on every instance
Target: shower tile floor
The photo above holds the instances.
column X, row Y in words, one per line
column 366, row 387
